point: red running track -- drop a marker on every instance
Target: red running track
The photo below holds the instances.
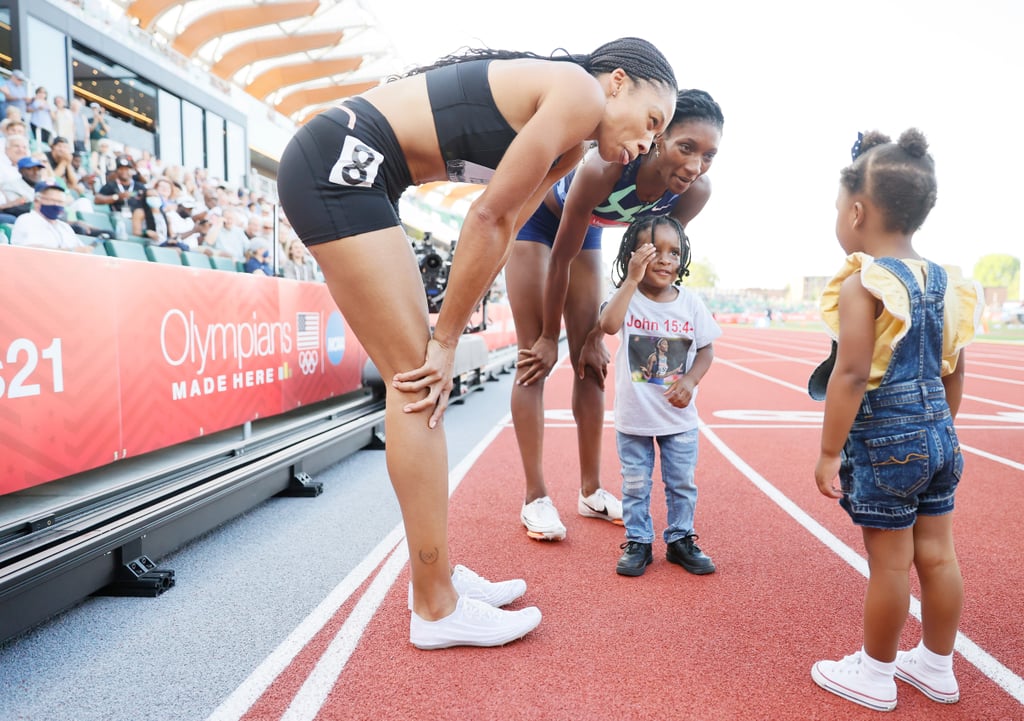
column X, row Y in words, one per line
column 737, row 644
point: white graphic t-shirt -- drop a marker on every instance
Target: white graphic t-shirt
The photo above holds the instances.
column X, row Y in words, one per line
column 658, row 344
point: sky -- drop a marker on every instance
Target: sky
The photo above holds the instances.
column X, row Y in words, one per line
column 796, row 80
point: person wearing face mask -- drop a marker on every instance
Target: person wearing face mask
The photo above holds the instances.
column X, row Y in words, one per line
column 42, row 227
column 149, row 220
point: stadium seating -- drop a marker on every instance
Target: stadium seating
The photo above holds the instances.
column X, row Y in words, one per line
column 101, row 221
column 125, row 249
column 196, row 259
column 5, row 231
column 219, row 262
column 161, row 254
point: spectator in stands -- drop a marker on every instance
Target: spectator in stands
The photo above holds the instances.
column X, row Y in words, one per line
column 61, row 157
column 121, row 190
column 258, row 260
column 13, row 151
column 98, row 125
column 12, row 126
column 40, row 115
column 254, row 231
column 198, row 239
column 15, row 92
column 42, row 227
column 150, row 221
column 81, row 134
column 18, row 193
column 231, row 239
column 104, row 161
column 298, row 263
column 86, row 177
column 63, row 120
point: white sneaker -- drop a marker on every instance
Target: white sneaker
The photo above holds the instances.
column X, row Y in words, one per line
column 541, row 520
column 849, row 678
column 473, row 623
column 937, row 685
column 471, row 585
column 600, row 504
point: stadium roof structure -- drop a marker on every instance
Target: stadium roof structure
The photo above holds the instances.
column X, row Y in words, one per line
column 298, row 56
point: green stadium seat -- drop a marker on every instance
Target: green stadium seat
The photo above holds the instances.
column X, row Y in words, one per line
column 97, row 220
column 6, row 229
column 159, row 254
column 99, row 249
column 219, row 262
column 125, row 249
column 196, row 259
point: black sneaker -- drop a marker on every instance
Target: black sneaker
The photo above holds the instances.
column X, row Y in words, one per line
column 635, row 560
column 685, row 552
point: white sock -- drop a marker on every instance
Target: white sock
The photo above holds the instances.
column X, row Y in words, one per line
column 932, row 660
column 881, row 669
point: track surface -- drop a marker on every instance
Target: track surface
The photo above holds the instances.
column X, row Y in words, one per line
column 734, row 645
column 297, row 609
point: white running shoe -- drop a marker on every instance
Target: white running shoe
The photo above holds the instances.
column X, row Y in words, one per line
column 939, row 686
column 473, row 623
column 541, row 520
column 472, row 585
column 600, row 504
column 849, row 678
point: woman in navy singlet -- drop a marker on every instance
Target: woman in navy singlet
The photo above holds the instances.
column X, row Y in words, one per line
column 518, row 120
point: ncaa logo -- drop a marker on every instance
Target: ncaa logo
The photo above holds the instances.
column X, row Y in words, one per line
column 335, row 338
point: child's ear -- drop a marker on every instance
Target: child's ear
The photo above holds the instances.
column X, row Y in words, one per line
column 857, row 214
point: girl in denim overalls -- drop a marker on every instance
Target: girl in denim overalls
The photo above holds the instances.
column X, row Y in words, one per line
column 901, row 324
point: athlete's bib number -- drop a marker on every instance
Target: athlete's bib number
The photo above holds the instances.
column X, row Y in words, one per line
column 357, row 164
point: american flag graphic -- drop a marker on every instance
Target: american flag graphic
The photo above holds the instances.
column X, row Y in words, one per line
column 308, row 331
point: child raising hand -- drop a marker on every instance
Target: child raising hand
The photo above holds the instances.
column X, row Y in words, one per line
column 654, row 399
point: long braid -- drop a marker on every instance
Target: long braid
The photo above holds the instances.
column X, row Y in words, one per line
column 639, row 58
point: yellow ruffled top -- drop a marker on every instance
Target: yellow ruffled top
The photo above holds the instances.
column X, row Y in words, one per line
column 964, row 304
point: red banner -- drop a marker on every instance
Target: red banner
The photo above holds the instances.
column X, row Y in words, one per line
column 101, row 359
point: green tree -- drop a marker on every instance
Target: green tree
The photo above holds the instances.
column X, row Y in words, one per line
column 998, row 270
column 702, row 274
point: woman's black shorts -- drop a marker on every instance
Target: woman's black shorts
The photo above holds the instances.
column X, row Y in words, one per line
column 342, row 174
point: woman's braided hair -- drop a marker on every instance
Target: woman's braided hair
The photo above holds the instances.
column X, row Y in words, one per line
column 639, row 58
column 898, row 177
column 620, row 268
column 696, row 104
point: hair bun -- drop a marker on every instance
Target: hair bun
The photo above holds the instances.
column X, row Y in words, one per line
column 913, row 142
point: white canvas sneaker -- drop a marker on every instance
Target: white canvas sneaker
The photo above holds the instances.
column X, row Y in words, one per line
column 600, row 504
column 473, row 623
column 939, row 686
column 541, row 520
column 472, row 585
column 850, row 679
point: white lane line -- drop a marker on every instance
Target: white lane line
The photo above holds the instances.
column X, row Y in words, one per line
column 995, row 403
column 763, row 376
column 316, row 687
column 236, row 705
column 983, row 661
column 992, row 457
column 997, row 379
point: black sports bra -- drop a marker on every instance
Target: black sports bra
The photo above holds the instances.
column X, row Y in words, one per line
column 472, row 134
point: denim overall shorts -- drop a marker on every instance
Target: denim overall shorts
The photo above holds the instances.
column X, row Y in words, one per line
column 902, row 457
